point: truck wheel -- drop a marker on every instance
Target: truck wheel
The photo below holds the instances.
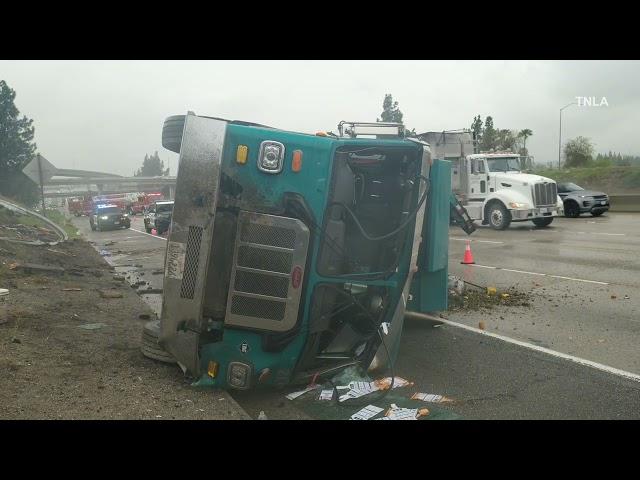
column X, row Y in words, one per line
column 542, row 222
column 150, row 347
column 499, row 216
column 172, row 132
column 571, row 209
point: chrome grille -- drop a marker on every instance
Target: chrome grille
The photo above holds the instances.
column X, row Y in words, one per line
column 261, row 293
column 545, row 194
column 191, row 262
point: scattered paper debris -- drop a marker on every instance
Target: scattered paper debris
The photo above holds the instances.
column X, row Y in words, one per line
column 430, row 397
column 491, row 290
column 326, row 394
column 366, row 413
column 396, row 413
column 385, row 383
column 294, row 395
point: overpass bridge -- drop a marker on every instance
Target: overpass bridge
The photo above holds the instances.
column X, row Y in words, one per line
column 63, row 182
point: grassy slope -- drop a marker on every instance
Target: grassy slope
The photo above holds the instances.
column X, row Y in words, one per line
column 611, row 180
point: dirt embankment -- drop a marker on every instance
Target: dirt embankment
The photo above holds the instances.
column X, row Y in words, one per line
column 70, row 344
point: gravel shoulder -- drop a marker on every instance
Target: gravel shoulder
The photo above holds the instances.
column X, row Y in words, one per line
column 66, row 352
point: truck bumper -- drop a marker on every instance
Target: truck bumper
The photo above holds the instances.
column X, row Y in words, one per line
column 521, row 215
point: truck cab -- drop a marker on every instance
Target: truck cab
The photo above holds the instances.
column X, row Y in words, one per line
column 292, row 256
column 492, row 186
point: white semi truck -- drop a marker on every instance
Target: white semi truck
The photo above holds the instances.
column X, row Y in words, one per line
column 491, row 186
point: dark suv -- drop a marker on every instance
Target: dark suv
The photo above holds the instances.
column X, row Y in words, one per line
column 109, row 216
column 577, row 200
column 158, row 216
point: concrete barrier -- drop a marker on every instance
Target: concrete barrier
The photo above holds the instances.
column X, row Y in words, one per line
column 629, row 202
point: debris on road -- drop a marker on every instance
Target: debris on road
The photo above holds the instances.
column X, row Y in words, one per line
column 367, row 412
column 491, row 290
column 71, row 289
column 294, row 395
column 481, row 325
column 110, row 293
column 262, row 416
column 326, row 394
column 432, row 398
column 474, row 300
column 398, row 413
column 144, row 316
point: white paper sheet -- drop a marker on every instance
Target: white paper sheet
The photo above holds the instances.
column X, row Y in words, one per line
column 366, row 413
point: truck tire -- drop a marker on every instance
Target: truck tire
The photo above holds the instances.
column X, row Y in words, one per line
column 150, row 347
column 542, row 222
column 571, row 209
column 172, row 132
column 499, row 216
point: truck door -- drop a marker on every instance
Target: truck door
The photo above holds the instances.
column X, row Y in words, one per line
column 478, row 179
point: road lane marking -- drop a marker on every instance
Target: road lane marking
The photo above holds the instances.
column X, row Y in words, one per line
column 474, row 240
column 548, row 351
column 611, row 234
column 522, row 271
column 145, row 233
column 539, row 274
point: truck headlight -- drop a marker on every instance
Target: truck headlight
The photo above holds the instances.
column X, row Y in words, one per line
column 271, row 157
column 239, row 375
column 104, row 217
column 517, row 205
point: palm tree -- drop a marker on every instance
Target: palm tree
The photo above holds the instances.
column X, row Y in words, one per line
column 525, row 134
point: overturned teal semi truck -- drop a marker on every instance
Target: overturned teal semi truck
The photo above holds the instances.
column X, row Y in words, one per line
column 292, row 256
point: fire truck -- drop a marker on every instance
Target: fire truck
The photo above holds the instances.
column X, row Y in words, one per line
column 80, row 205
column 144, row 200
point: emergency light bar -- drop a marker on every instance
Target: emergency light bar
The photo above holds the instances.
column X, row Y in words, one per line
column 367, row 128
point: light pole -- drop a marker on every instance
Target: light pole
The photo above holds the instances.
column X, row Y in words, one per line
column 560, row 136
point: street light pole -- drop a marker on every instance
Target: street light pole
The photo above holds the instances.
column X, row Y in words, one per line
column 560, row 135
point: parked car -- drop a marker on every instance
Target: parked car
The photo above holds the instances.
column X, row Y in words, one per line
column 158, row 216
column 577, row 200
column 109, row 216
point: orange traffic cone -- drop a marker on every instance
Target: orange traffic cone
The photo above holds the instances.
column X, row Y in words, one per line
column 468, row 256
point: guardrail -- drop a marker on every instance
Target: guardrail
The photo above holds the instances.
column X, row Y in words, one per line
column 629, row 202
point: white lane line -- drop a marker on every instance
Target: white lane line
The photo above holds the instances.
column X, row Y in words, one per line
column 578, row 360
column 522, row 271
column 474, row 240
column 540, row 274
column 578, row 279
column 145, row 233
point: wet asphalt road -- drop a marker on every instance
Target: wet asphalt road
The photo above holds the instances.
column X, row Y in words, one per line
column 593, row 313
column 490, row 378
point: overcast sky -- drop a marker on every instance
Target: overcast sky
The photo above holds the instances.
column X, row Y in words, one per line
column 105, row 115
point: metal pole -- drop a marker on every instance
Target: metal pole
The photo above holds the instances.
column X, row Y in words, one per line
column 44, row 212
column 560, row 136
column 560, row 141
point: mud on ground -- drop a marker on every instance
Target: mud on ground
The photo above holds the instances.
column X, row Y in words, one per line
column 51, row 368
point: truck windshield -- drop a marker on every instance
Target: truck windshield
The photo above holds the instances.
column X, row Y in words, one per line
column 104, row 211
column 506, row 164
column 166, row 208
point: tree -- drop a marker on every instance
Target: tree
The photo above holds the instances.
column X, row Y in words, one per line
column 390, row 110
column 489, row 135
column 152, row 166
column 16, row 149
column 524, row 134
column 476, row 130
column 506, row 140
column 578, row 152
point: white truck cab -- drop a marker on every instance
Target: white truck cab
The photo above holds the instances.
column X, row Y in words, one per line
column 492, row 187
